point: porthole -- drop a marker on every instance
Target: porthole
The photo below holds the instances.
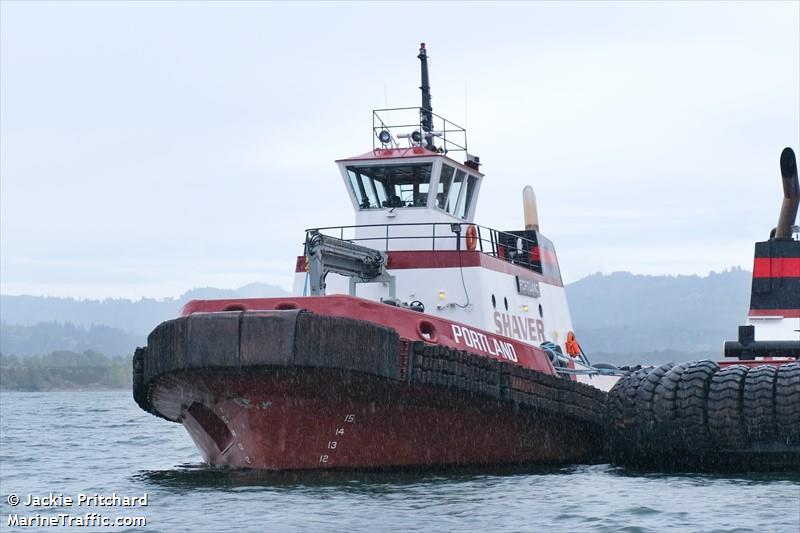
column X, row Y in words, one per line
column 505, row 301
column 541, row 311
column 494, row 302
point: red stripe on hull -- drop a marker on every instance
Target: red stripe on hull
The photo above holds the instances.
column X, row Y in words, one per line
column 452, row 259
column 328, row 419
column 776, row 267
column 786, row 313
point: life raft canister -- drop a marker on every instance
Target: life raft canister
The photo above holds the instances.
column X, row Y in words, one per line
column 471, row 237
column 573, row 348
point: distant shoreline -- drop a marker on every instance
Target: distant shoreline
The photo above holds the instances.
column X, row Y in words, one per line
column 65, row 371
column 4, row 390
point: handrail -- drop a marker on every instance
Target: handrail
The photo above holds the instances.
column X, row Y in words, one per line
column 456, row 142
column 500, row 244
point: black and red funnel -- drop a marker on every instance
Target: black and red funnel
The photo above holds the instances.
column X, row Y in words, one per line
column 776, row 266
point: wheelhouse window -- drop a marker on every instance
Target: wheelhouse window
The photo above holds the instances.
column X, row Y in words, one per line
column 449, row 188
column 466, row 202
column 378, row 186
column 451, row 183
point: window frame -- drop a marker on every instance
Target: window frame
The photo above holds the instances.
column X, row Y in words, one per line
column 437, row 163
column 359, row 177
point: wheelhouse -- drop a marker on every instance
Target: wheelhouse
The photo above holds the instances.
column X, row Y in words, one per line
column 390, row 180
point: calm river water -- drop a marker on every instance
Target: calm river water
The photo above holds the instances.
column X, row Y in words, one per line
column 89, row 443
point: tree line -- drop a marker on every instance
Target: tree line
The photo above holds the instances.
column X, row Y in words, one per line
column 65, row 370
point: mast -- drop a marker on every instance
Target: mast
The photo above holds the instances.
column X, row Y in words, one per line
column 426, row 112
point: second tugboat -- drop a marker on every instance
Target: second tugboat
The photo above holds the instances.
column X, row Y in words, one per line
column 743, row 412
column 416, row 337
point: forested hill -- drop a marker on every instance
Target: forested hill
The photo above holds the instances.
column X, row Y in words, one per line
column 136, row 317
column 65, row 370
column 627, row 314
column 46, row 337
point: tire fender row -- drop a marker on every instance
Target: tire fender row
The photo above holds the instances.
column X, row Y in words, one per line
column 699, row 412
column 521, row 387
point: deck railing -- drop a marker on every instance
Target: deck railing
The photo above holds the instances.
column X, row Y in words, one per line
column 507, row 246
column 405, row 120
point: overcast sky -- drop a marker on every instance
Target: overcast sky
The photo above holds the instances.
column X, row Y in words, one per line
column 151, row 147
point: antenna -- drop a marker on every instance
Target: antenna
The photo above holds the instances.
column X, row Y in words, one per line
column 427, row 110
column 386, row 98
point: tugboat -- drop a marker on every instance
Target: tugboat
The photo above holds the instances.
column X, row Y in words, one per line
column 415, row 337
column 742, row 412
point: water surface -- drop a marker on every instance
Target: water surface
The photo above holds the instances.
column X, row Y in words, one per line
column 101, row 442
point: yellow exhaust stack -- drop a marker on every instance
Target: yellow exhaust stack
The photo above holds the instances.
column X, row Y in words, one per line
column 529, row 207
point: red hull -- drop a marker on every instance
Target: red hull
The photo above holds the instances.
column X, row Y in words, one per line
column 325, row 418
column 262, row 386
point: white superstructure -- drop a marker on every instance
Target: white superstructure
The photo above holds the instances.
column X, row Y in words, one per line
column 418, row 207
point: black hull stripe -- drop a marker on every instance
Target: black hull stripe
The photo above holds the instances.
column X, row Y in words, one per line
column 775, row 293
column 778, row 248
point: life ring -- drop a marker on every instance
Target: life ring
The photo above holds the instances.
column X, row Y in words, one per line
column 471, row 237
